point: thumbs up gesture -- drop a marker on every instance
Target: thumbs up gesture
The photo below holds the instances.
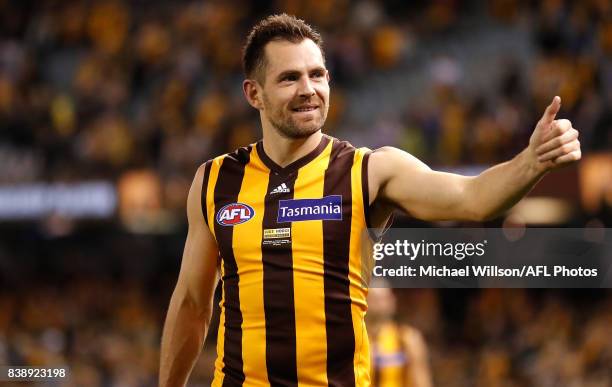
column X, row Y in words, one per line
column 554, row 142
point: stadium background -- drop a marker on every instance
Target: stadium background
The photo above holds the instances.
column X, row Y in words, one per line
column 108, row 107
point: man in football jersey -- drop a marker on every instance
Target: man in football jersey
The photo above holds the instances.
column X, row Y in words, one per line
column 399, row 351
column 281, row 222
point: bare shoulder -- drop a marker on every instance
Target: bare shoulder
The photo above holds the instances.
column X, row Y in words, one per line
column 385, row 157
column 413, row 340
column 199, row 175
column 388, row 162
column 411, row 334
column 194, row 203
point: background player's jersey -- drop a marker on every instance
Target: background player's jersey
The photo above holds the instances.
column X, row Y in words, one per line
column 290, row 239
column 389, row 360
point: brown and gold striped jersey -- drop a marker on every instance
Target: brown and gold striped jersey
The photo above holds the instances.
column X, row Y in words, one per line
column 289, row 238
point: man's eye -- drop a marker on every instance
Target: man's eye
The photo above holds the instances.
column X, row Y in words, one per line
column 317, row 74
column 290, row 78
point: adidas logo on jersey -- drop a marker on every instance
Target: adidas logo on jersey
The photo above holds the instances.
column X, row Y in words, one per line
column 280, row 189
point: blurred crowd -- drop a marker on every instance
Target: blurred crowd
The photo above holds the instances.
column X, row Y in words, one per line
column 141, row 93
column 104, row 334
column 514, row 337
column 107, row 334
column 93, row 89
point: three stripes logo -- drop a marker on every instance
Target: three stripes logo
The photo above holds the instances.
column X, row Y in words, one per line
column 280, row 189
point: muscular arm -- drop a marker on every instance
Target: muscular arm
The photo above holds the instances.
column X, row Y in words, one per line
column 190, row 307
column 401, row 179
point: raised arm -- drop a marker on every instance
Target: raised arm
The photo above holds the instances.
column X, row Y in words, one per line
column 401, row 179
column 190, row 307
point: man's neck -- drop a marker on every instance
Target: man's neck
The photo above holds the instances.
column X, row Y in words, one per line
column 283, row 151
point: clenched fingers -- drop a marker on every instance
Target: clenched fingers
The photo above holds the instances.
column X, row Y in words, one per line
column 569, row 157
column 560, row 151
column 564, row 138
column 557, row 128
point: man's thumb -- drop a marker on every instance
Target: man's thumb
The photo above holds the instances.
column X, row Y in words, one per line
column 551, row 111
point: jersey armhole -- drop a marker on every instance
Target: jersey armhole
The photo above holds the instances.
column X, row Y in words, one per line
column 207, row 166
column 365, row 191
column 374, row 233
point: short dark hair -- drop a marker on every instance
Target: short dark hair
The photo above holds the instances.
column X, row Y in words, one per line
column 274, row 27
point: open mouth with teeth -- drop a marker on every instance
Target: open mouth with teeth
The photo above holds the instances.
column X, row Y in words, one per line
column 304, row 108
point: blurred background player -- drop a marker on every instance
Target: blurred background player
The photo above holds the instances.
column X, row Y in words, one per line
column 399, row 352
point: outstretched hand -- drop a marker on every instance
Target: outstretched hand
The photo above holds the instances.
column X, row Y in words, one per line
column 554, row 142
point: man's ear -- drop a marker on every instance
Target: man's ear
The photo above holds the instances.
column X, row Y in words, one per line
column 252, row 93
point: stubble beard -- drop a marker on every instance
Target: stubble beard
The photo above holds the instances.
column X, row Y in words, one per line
column 288, row 128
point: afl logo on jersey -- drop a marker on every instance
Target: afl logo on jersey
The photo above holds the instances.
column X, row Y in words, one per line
column 235, row 213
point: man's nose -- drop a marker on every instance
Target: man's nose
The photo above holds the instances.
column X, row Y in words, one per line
column 305, row 88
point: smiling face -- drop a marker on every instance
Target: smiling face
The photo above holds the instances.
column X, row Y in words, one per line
column 295, row 90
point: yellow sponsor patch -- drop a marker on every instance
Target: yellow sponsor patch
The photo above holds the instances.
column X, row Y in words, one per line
column 275, row 233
